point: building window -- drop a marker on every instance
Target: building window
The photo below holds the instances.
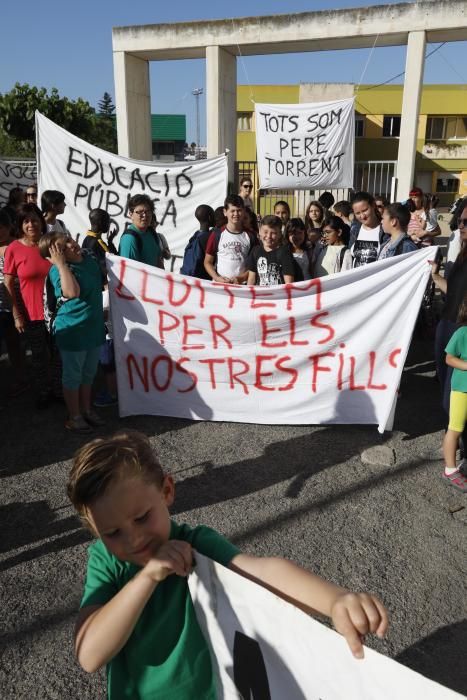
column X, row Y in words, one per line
column 448, row 184
column 359, row 126
column 391, row 126
column 443, row 128
column 244, row 121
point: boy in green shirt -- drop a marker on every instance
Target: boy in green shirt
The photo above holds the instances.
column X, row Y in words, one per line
column 136, row 613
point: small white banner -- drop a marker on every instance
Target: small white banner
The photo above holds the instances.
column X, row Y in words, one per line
column 306, row 146
column 263, row 647
column 92, row 178
column 15, row 175
column 329, row 350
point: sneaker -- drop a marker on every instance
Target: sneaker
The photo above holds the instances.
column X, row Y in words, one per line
column 104, row 399
column 93, row 419
column 78, row 425
column 458, row 480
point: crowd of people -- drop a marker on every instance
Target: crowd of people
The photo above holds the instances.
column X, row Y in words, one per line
column 53, row 297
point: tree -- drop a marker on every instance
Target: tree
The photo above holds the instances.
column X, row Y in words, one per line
column 17, row 108
column 106, row 106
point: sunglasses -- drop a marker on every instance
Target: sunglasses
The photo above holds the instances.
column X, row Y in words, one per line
column 462, row 222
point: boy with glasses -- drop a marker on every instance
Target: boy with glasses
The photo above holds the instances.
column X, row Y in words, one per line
column 139, row 240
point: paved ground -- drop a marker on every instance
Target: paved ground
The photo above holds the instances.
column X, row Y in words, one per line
column 300, row 492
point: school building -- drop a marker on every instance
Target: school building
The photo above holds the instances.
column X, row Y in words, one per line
column 441, row 157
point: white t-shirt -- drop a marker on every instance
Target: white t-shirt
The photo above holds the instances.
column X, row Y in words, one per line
column 232, row 253
column 366, row 248
column 58, row 227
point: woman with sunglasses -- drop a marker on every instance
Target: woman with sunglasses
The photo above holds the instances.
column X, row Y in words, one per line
column 246, row 190
column 454, row 286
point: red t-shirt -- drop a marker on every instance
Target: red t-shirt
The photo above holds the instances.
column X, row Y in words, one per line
column 26, row 263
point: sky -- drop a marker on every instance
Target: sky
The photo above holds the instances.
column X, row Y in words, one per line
column 70, row 48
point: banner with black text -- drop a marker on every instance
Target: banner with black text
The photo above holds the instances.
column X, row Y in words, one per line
column 15, row 174
column 92, row 178
column 305, row 146
column 328, row 350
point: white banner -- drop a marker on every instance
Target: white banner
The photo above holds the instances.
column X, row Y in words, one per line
column 19, row 174
column 329, row 350
column 306, row 146
column 263, row 647
column 92, row 178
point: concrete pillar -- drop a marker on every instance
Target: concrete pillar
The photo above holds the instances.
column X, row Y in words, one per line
column 133, row 106
column 414, row 66
column 221, row 104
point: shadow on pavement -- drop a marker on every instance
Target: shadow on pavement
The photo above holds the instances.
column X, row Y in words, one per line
column 441, row 656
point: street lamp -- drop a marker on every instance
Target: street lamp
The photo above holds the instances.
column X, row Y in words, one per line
column 197, row 92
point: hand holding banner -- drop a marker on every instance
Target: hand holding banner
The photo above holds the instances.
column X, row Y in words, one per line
column 259, row 641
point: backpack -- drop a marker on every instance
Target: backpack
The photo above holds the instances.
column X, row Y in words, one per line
column 51, row 305
column 193, row 256
column 341, row 257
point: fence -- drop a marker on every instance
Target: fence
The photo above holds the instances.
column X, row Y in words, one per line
column 375, row 176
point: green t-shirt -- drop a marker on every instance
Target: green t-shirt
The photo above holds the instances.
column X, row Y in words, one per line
column 457, row 346
column 79, row 323
column 166, row 655
column 149, row 252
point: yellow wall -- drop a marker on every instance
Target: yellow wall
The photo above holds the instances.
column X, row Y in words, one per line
column 373, row 103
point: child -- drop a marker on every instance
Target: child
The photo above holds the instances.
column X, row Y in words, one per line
column 136, row 612
column 78, row 325
column 100, row 224
column 227, row 250
column 295, row 236
column 53, row 204
column 195, row 251
column 395, row 220
column 282, row 210
column 456, row 357
column 334, row 256
column 270, row 262
column 366, row 234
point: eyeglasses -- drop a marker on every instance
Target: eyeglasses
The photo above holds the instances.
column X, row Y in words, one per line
column 462, row 222
column 247, row 187
column 142, row 212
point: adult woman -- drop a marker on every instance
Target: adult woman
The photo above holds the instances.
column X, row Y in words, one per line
column 314, row 219
column 246, row 190
column 23, row 261
column 454, row 286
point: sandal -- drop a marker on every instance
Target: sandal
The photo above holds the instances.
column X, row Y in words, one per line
column 458, row 480
column 92, row 418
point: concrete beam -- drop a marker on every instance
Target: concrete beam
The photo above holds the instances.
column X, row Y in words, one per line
column 133, row 106
column 221, row 100
column 414, row 67
column 444, row 20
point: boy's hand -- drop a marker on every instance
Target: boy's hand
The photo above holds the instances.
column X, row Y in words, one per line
column 57, row 255
column 173, row 557
column 356, row 614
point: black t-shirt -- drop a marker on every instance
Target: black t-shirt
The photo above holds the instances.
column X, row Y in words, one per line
column 457, row 288
column 270, row 265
